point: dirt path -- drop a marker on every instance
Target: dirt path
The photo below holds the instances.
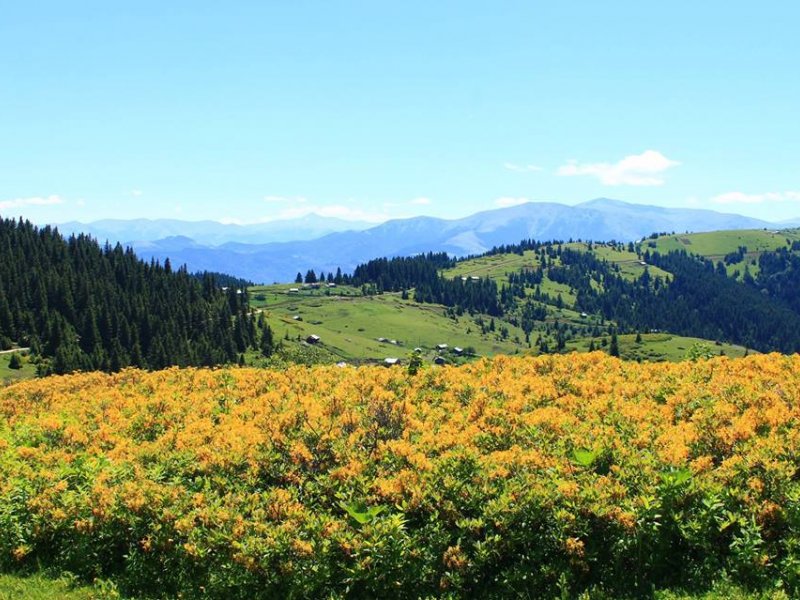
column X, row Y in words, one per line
column 14, row 350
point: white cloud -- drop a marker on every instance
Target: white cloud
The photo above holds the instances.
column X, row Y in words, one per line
column 767, row 197
column 507, row 201
column 421, row 201
column 136, row 193
column 643, row 169
column 33, row 201
column 522, row 168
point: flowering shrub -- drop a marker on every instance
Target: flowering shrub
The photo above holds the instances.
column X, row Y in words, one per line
column 504, row 477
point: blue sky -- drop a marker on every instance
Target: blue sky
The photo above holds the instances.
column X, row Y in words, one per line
column 248, row 111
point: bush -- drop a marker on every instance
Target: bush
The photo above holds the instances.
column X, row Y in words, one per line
column 510, row 477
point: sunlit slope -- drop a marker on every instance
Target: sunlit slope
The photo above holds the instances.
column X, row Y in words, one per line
column 350, row 325
column 719, row 243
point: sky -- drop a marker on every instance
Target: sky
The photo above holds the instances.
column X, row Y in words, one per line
column 253, row 111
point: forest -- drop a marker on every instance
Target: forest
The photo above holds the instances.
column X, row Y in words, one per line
column 80, row 306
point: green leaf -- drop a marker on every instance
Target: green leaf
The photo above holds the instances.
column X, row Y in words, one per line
column 584, row 457
column 360, row 513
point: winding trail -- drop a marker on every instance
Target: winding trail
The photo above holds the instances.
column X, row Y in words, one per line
column 14, row 350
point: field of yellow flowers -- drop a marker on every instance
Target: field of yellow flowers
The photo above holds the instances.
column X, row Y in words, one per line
column 507, row 477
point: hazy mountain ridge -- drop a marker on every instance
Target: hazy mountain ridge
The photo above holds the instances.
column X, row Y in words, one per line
column 601, row 219
column 211, row 233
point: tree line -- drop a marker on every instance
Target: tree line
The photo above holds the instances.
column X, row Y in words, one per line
column 80, row 306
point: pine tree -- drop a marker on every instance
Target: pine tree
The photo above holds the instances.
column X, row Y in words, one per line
column 613, row 349
column 15, row 362
column 267, row 344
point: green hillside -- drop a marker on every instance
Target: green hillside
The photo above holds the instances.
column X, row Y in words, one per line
column 369, row 328
column 715, row 245
column 658, row 347
column 9, row 375
column 350, row 324
column 719, row 243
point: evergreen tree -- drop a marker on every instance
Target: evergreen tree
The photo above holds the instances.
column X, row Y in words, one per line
column 15, row 362
column 267, row 345
column 613, row 348
column 83, row 306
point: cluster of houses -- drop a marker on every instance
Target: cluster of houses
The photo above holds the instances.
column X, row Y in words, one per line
column 439, row 359
column 311, row 286
column 472, row 278
column 391, row 361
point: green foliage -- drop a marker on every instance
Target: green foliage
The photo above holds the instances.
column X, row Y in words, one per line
column 15, row 362
column 86, row 307
column 360, row 513
column 585, row 458
column 699, row 351
column 414, row 362
column 40, row 587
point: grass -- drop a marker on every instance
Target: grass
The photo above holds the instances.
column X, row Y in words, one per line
column 40, row 587
column 9, row 376
column 349, row 324
column 716, row 244
column 657, row 347
column 629, row 262
column 495, row 267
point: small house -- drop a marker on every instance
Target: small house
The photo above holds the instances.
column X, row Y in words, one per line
column 584, row 315
column 331, row 285
column 475, row 278
column 393, row 342
column 441, row 347
column 439, row 360
column 341, row 364
column 390, row 361
column 382, row 340
column 297, row 318
column 463, row 279
column 418, row 349
column 643, row 263
column 294, row 290
column 458, row 350
column 313, row 339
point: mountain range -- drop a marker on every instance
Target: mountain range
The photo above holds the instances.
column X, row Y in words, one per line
column 274, row 252
column 211, row 233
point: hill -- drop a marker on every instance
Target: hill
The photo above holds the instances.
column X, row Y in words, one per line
column 78, row 306
column 557, row 292
column 511, row 477
column 355, row 328
column 536, row 298
column 597, row 220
